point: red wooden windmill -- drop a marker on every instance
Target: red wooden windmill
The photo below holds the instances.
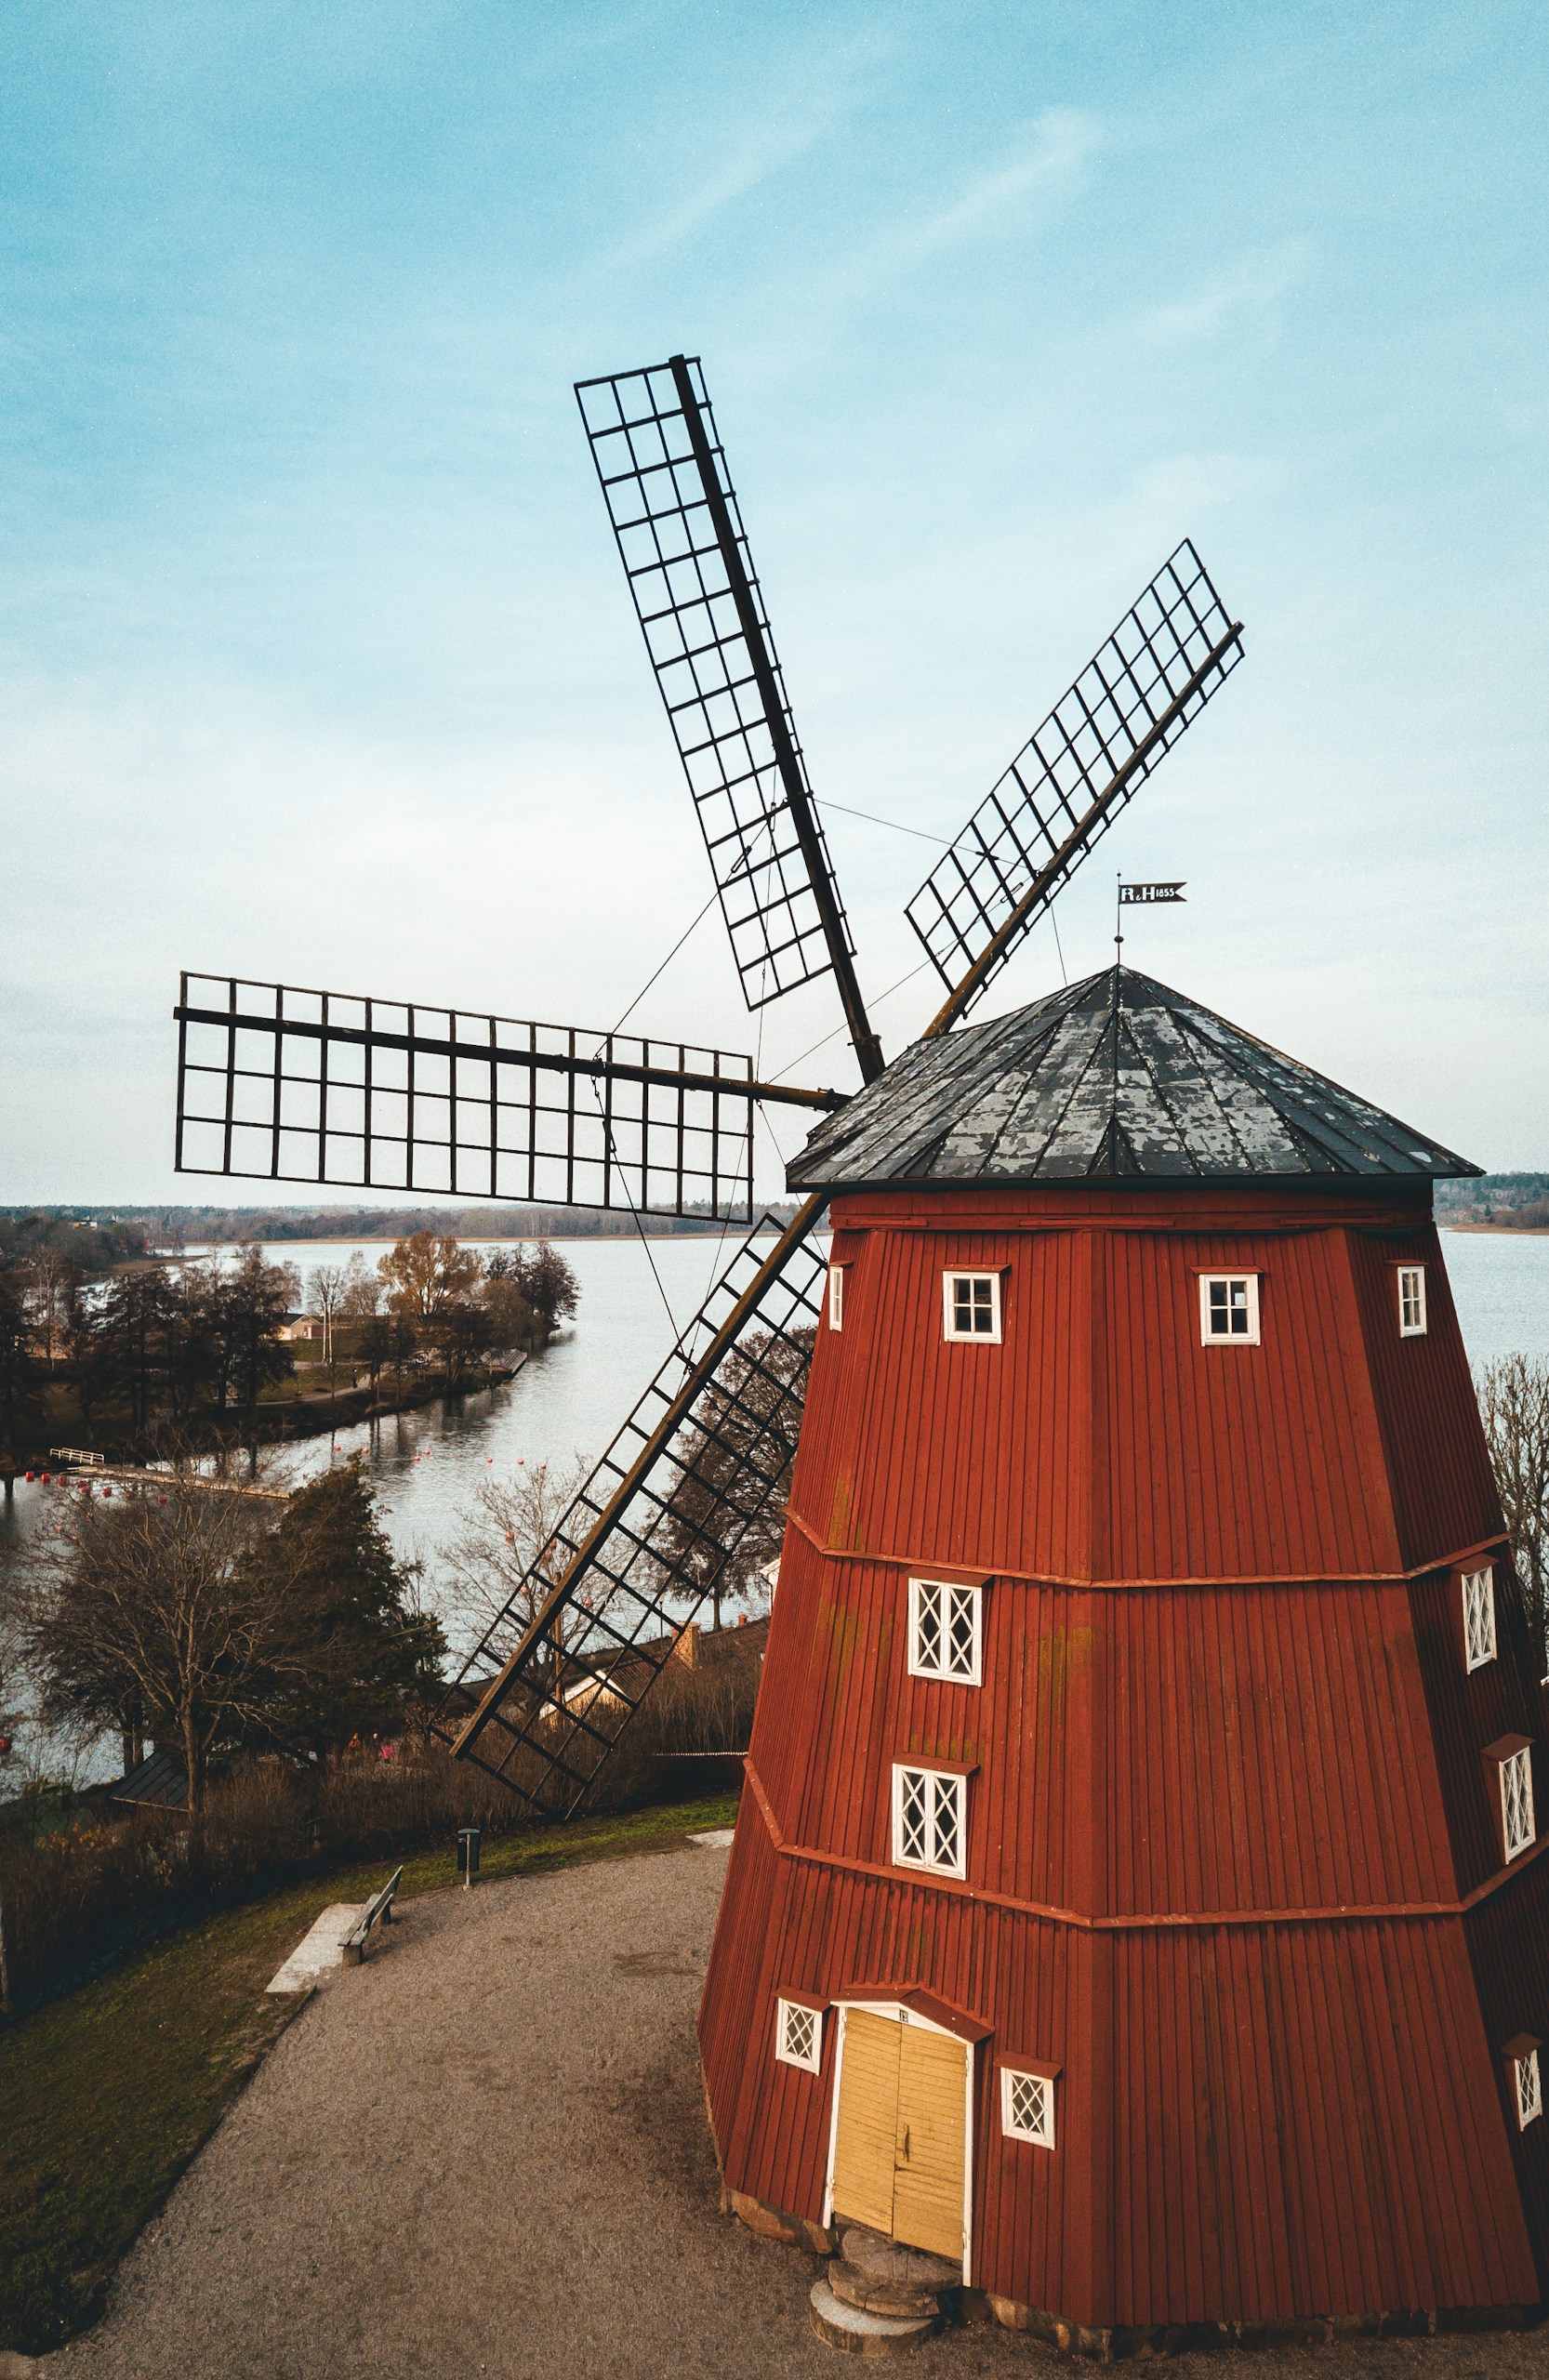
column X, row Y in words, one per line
column 1136, row 1898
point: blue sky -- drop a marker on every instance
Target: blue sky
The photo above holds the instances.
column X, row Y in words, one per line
column 317, row 666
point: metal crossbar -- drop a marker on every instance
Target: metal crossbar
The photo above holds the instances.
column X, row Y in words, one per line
column 704, row 1457
column 306, row 1086
column 684, row 551
column 1140, row 690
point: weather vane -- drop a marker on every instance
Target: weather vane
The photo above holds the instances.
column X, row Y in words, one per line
column 1133, row 893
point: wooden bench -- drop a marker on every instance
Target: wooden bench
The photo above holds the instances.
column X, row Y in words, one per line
column 378, row 1906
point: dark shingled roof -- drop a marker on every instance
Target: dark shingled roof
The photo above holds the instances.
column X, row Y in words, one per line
column 1113, row 1078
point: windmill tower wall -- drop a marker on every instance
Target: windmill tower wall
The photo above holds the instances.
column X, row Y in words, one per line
column 1235, row 1882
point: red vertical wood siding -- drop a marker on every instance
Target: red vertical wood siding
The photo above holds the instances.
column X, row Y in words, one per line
column 1228, row 1795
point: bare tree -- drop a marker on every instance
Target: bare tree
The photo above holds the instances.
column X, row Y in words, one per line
column 725, row 1518
column 505, row 1552
column 1514, row 1405
column 362, row 1295
column 326, row 1294
column 153, row 1606
column 52, row 1278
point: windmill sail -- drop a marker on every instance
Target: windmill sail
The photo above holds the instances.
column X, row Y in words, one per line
column 694, row 1477
column 1168, row 655
column 685, row 555
column 305, row 1086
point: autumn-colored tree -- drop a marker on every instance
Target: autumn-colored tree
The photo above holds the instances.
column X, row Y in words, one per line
column 426, row 1273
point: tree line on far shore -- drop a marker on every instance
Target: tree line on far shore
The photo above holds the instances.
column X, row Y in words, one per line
column 161, row 1348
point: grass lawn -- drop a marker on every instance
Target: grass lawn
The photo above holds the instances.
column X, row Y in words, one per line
column 105, row 2096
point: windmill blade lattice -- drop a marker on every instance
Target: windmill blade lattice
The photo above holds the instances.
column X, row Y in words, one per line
column 685, row 555
column 1168, row 655
column 305, row 1086
column 699, row 1467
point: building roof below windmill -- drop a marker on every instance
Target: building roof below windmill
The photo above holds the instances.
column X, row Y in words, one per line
column 1118, row 1079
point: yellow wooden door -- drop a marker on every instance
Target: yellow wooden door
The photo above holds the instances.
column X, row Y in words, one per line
column 864, row 2144
column 901, row 2145
column 931, row 2142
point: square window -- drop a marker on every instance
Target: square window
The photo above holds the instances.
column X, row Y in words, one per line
column 1412, row 1301
column 971, row 1306
column 1530, row 2093
column 798, row 2035
column 1516, row 1801
column 1229, row 1309
column 1478, row 1617
column 930, row 1820
column 944, row 1623
column 836, row 1297
column 1027, row 2107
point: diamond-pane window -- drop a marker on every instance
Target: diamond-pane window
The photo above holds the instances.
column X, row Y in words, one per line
column 930, row 1826
column 1412, row 1301
column 1516, row 1800
column 1229, row 1309
column 944, row 1630
column 1478, row 1617
column 1027, row 2107
column 1529, row 2091
column 798, row 2035
column 971, row 1306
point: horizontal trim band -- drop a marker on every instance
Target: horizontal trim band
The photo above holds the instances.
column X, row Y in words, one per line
column 1143, row 1921
column 917, row 1566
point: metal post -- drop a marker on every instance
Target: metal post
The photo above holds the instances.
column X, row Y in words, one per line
column 467, row 1853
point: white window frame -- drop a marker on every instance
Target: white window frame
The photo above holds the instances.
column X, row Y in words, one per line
column 945, row 1592
column 1519, row 1832
column 1042, row 2136
column 942, row 1785
column 1209, row 1338
column 792, row 2018
column 1529, row 2089
column 1411, row 1303
column 949, row 1279
column 1478, row 1617
column 836, row 1296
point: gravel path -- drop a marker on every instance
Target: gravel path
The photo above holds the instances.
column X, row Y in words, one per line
column 485, row 2152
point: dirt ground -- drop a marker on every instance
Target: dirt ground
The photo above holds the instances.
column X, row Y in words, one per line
column 485, row 2152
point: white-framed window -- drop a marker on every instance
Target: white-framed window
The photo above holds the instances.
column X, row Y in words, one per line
column 1516, row 1801
column 836, row 1296
column 1027, row 2107
column 946, row 1627
column 1478, row 1617
column 1530, row 2090
column 1229, row 1309
column 971, row 1306
column 798, row 2035
column 929, row 1819
column 1412, row 1301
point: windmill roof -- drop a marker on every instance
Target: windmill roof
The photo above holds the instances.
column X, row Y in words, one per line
column 1116, row 1077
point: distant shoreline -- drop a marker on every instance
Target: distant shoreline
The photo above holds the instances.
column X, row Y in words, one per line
column 1501, row 1231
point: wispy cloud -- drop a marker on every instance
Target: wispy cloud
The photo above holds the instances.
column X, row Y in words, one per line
column 752, row 161
column 1051, row 164
column 1251, row 288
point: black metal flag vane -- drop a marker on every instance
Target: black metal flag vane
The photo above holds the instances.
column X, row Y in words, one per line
column 307, row 1086
column 1135, row 895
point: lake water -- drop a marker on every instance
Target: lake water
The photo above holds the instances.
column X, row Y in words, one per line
column 571, row 1398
